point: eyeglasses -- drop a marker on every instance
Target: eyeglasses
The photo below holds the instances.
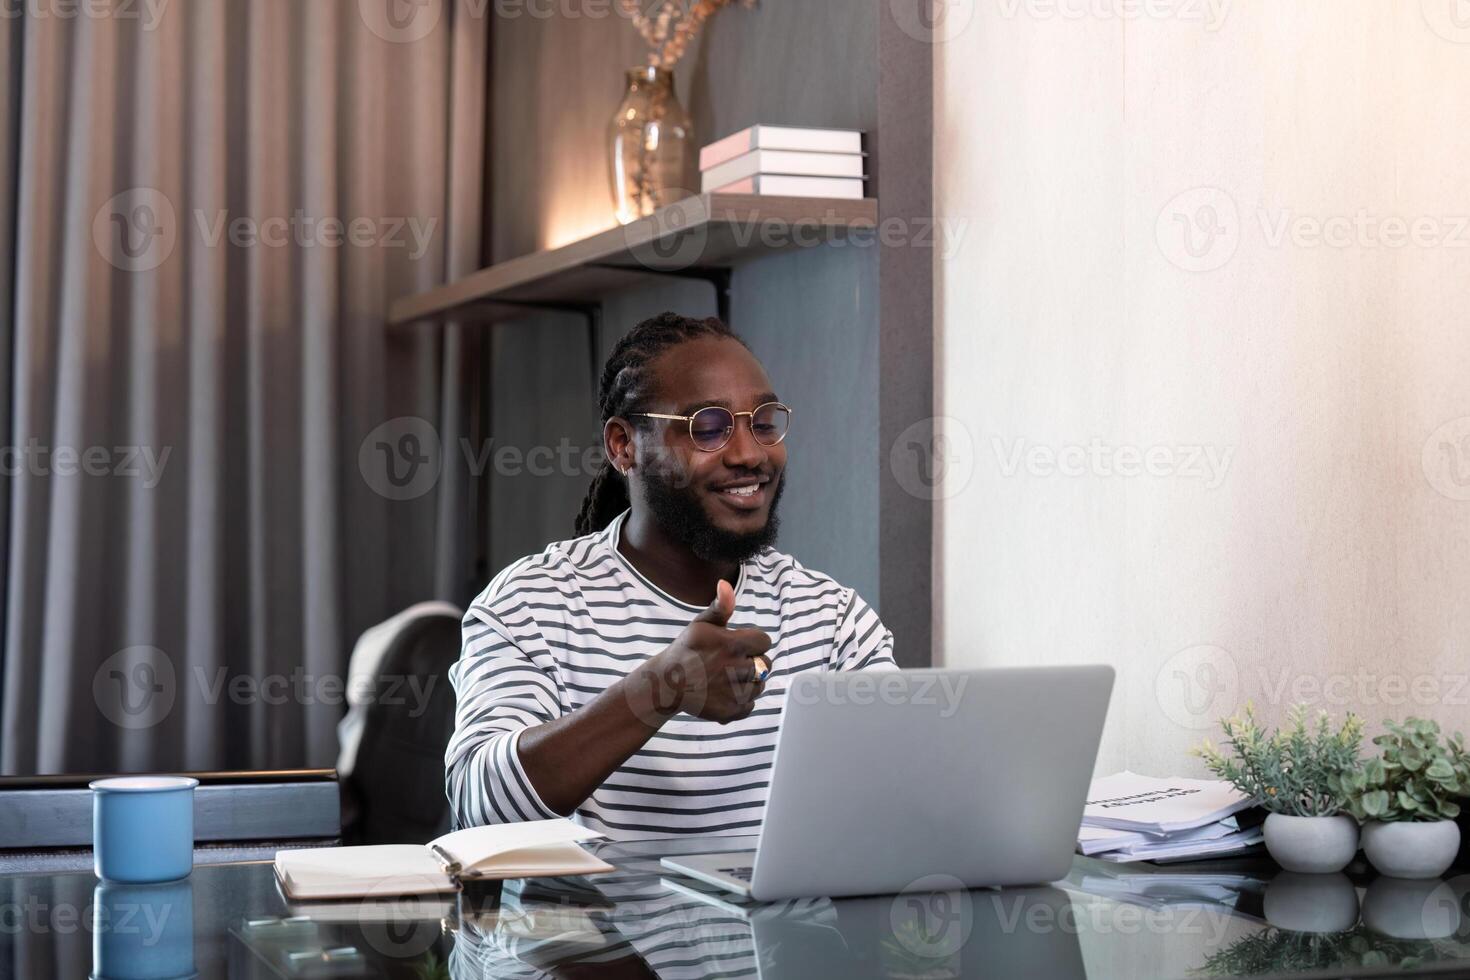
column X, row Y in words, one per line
column 712, row 428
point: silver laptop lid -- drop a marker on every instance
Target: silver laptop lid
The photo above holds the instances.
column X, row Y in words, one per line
column 884, row 780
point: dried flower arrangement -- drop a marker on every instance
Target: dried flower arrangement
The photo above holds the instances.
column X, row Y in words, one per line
column 669, row 25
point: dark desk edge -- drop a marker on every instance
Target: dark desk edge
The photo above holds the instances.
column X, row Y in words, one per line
column 80, row 780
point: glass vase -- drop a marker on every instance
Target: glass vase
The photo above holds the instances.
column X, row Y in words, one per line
column 650, row 144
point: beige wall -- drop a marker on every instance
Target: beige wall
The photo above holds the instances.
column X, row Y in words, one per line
column 1326, row 555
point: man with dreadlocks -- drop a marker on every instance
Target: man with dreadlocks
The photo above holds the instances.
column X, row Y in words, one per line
column 633, row 677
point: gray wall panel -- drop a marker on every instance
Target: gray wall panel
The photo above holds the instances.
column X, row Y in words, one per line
column 540, row 395
column 811, row 318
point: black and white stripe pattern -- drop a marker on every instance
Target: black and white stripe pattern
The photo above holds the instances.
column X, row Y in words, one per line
column 554, row 630
column 543, row 927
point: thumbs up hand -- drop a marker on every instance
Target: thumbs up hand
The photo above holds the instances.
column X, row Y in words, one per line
column 710, row 671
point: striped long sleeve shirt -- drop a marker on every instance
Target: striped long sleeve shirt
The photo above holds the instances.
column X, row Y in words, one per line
column 554, row 630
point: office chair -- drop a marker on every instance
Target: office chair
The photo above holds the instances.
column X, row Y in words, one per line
column 391, row 764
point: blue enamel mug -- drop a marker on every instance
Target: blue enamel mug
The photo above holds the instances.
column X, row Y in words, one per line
column 143, row 932
column 143, row 828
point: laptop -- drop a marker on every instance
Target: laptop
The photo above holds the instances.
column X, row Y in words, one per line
column 881, row 779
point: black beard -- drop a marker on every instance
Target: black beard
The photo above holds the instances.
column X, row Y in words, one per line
column 679, row 512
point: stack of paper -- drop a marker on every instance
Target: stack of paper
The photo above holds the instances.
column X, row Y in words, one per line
column 786, row 161
column 1142, row 818
column 1163, row 889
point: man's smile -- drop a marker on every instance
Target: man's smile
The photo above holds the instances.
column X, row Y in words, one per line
column 746, row 494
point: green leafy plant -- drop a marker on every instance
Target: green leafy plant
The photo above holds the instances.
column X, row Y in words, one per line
column 1416, row 776
column 431, row 967
column 1278, row 951
column 1301, row 771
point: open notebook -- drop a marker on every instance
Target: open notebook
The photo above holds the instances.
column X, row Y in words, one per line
column 536, row 849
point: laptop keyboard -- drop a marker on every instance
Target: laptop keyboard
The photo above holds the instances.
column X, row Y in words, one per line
column 739, row 874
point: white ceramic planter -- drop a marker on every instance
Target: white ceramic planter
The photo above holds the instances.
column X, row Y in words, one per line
column 1311, row 902
column 1311, row 845
column 1407, row 909
column 1409, row 849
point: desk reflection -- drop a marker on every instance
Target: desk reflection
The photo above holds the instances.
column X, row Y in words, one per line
column 1229, row 919
column 143, row 932
column 636, row 924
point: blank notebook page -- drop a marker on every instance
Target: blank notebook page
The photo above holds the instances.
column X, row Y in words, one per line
column 398, row 869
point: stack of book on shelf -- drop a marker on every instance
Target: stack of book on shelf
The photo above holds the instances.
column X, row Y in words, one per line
column 786, row 161
column 1141, row 818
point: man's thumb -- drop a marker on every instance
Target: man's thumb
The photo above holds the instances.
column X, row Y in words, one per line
column 722, row 608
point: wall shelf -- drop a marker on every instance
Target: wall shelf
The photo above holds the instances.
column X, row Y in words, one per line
column 692, row 237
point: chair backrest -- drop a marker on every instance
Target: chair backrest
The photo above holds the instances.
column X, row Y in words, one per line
column 393, row 789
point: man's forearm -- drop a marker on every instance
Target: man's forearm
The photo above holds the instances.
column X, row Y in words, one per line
column 567, row 759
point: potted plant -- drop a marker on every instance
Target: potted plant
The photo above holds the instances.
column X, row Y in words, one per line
column 1406, row 799
column 1299, row 776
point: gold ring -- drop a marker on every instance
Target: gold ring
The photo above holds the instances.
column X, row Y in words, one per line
column 764, row 669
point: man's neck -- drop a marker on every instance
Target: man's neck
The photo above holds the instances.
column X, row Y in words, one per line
column 670, row 564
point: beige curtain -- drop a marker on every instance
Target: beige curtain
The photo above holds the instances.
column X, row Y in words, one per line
column 213, row 203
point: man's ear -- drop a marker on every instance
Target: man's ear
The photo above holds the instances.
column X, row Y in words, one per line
column 617, row 442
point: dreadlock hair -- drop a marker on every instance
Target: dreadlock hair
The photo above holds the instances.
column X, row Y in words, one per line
column 625, row 383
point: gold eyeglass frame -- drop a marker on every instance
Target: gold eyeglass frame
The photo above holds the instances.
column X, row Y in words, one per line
column 734, row 421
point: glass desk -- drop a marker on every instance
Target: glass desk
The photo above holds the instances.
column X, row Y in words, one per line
column 1104, row 920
